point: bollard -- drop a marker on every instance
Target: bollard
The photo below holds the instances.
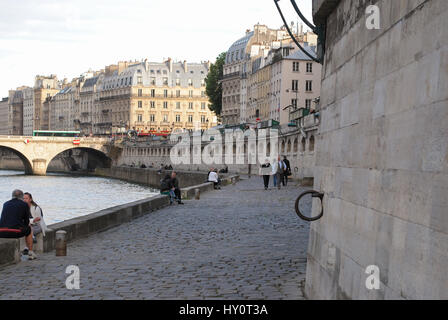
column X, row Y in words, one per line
column 233, row 180
column 61, row 243
column 197, row 194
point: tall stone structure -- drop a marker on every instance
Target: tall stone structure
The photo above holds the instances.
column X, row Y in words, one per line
column 382, row 152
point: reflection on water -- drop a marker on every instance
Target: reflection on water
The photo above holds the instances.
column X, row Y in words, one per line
column 65, row 197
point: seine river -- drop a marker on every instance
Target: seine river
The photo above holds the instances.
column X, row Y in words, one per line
column 64, row 197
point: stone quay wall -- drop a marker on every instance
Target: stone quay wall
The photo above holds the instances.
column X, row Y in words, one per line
column 84, row 226
column 382, row 152
column 297, row 145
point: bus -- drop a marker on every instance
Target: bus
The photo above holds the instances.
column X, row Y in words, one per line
column 48, row 133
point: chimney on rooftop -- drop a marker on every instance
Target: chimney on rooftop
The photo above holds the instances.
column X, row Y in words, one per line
column 185, row 66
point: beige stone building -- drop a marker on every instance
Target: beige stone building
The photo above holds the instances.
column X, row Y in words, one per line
column 258, row 76
column 4, row 115
column 238, row 65
column 152, row 97
column 35, row 112
column 15, row 117
column 295, row 84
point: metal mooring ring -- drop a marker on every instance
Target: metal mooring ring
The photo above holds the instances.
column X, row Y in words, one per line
column 314, row 194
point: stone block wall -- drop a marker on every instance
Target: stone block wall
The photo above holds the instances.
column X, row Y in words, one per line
column 382, row 152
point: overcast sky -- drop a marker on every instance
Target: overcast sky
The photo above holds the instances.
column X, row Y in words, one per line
column 69, row 37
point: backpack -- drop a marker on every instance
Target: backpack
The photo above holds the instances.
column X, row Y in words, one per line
column 164, row 184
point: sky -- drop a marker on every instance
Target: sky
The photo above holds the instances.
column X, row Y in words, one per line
column 69, row 37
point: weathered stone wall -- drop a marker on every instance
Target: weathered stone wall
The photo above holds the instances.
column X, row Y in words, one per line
column 298, row 148
column 151, row 177
column 382, row 153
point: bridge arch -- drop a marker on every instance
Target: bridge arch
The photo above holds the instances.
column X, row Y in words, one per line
column 96, row 158
column 27, row 164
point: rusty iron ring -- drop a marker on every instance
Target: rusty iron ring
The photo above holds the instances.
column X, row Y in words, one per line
column 314, row 194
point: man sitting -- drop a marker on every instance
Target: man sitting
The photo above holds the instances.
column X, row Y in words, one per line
column 213, row 177
column 175, row 187
column 166, row 188
column 15, row 221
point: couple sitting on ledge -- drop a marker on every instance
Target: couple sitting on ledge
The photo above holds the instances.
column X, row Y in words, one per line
column 170, row 186
column 22, row 217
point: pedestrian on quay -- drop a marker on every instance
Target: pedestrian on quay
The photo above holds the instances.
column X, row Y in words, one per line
column 15, row 222
column 175, row 187
column 287, row 172
column 278, row 169
column 265, row 171
column 37, row 217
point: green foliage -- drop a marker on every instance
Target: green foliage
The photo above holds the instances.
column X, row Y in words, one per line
column 213, row 84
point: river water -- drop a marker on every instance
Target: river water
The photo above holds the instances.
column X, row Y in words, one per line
column 64, row 197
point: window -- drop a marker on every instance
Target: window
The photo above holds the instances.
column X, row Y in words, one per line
column 311, row 146
column 153, row 80
column 309, row 67
column 203, row 94
column 139, row 118
column 140, row 104
column 308, row 103
column 140, row 92
column 177, row 82
column 165, row 118
column 177, row 117
column 295, row 85
column 295, row 66
column 294, row 103
column 152, row 117
column 309, row 85
column 177, row 105
column 190, row 118
column 153, row 104
column 190, row 82
column 165, row 81
column 165, row 104
column 139, row 80
column 153, row 93
column 190, row 93
column 203, row 82
column 202, row 119
column 190, row 105
column 178, row 93
column 165, row 93
column 203, row 105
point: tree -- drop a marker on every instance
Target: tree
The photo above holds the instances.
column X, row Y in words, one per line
column 214, row 85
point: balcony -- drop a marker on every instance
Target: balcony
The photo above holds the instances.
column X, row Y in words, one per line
column 231, row 75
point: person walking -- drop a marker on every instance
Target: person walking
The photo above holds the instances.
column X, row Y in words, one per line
column 37, row 224
column 278, row 169
column 266, row 171
column 15, row 222
column 287, row 172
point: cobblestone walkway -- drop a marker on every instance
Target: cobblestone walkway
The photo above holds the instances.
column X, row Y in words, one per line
column 241, row 242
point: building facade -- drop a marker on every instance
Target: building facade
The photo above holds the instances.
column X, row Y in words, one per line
column 4, row 115
column 265, row 74
column 152, row 97
column 15, row 117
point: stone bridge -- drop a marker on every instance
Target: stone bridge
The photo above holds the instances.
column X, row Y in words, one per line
column 37, row 152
